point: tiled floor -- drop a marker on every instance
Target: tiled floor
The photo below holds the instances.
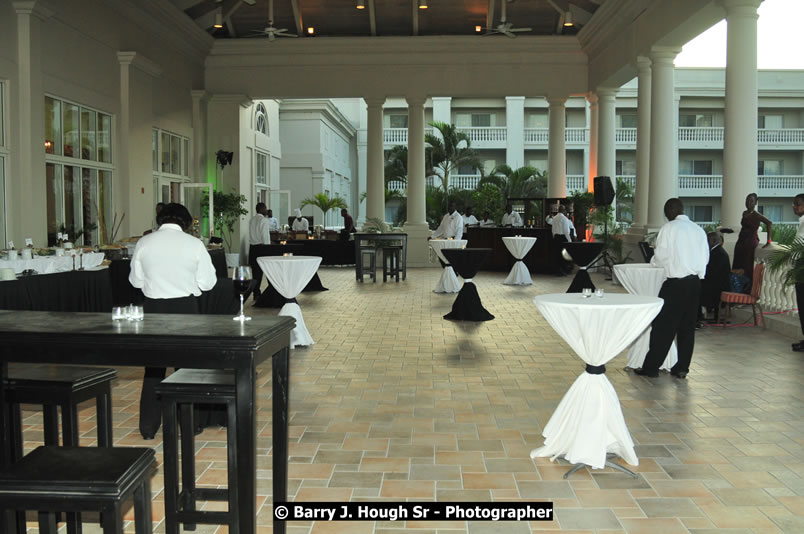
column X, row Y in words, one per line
column 393, row 402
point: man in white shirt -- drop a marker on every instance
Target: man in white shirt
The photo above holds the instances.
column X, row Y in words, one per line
column 469, row 219
column 563, row 231
column 273, row 221
column 259, row 227
column 451, row 225
column 549, row 219
column 300, row 224
column 487, row 221
column 511, row 217
column 682, row 249
column 798, row 209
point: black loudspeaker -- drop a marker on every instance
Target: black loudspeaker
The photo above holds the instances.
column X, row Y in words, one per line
column 604, row 192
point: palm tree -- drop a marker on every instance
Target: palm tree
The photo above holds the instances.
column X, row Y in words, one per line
column 396, row 165
column 323, row 202
column 524, row 182
column 449, row 152
column 625, row 200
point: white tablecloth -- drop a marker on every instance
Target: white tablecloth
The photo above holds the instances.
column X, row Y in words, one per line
column 448, row 283
column 588, row 422
column 644, row 279
column 52, row 264
column 289, row 275
column 518, row 247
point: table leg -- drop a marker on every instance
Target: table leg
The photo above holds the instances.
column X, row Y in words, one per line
column 245, row 400
column 280, row 397
column 10, row 522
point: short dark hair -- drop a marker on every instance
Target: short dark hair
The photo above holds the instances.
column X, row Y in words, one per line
column 673, row 207
column 159, row 206
column 561, row 208
column 800, row 197
column 756, row 198
column 175, row 213
column 259, row 207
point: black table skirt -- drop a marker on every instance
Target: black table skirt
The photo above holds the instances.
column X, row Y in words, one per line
column 219, row 262
column 582, row 255
column 330, row 252
column 466, row 262
column 270, row 298
column 73, row 291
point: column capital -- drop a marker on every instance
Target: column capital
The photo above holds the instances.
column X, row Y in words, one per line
column 514, row 98
column 643, row 64
column 556, row 101
column 743, row 8
column 199, row 94
column 37, row 8
column 606, row 93
column 417, row 101
column 592, row 99
column 374, row 101
column 139, row 61
column 241, row 100
column 663, row 55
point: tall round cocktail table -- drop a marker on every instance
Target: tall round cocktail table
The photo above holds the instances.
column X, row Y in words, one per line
column 448, row 283
column 588, row 423
column 289, row 275
column 519, row 247
column 644, row 279
column 467, row 305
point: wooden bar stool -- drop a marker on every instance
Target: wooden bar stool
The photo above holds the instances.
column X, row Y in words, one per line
column 391, row 257
column 369, row 252
column 81, row 479
column 179, row 392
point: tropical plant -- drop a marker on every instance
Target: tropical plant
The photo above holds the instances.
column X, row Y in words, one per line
column 228, row 210
column 324, row 202
column 624, row 197
column 396, row 165
column 789, row 259
column 487, row 198
column 784, row 234
column 609, row 232
column 524, row 182
column 375, row 225
column 448, row 153
column 435, row 199
column 582, row 205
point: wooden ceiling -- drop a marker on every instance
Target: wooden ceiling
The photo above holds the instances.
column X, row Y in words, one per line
column 341, row 18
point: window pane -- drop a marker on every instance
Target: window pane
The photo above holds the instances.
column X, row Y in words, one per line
column 2, row 200
column 703, row 121
column 88, row 135
column 261, row 165
column 72, row 201
column 399, row 121
column 2, row 132
column 89, row 203
column 165, row 152
column 106, row 213
column 186, row 156
column 175, row 154
column 628, row 120
column 770, row 167
column 104, row 138
column 155, row 150
column 52, row 126
column 480, row 121
column 55, row 201
column 703, row 167
column 71, row 118
column 686, row 121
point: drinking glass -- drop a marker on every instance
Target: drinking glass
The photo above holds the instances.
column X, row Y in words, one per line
column 135, row 313
column 599, row 293
column 587, row 292
column 242, row 281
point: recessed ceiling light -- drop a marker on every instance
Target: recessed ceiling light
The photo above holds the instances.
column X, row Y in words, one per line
column 218, row 18
column 422, row 4
column 568, row 22
column 361, row 4
column 478, row 29
column 310, row 31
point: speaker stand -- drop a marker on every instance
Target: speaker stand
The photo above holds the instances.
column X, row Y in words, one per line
column 604, row 256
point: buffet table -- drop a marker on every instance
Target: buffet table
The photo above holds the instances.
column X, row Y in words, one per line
column 74, row 291
column 538, row 260
column 191, row 341
column 54, row 264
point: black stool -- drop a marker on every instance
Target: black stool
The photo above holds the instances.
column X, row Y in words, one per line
column 371, row 252
column 81, row 479
column 64, row 386
column 391, row 257
column 179, row 392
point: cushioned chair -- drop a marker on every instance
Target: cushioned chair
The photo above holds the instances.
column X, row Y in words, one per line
column 646, row 250
column 728, row 298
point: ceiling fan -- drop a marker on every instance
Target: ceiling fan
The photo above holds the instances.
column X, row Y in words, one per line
column 505, row 28
column 270, row 31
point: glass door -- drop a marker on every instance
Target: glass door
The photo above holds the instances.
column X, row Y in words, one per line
column 199, row 201
column 279, row 202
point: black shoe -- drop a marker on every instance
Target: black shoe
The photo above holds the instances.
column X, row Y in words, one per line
column 680, row 374
column 148, row 437
column 699, row 325
column 198, row 430
column 646, row 372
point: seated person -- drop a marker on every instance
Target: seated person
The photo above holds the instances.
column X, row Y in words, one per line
column 487, row 221
column 718, row 273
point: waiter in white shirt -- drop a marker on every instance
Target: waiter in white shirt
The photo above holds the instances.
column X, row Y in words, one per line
column 469, row 219
column 511, row 217
column 300, row 224
column 683, row 251
column 172, row 268
column 451, row 225
column 798, row 209
column 259, row 233
column 272, row 221
column 487, row 221
column 563, row 232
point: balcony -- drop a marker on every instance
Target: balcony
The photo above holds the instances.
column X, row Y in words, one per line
column 625, row 136
column 697, row 185
column 712, row 186
column 573, row 137
column 712, row 137
column 780, row 186
column 398, row 136
column 486, row 137
column 576, row 182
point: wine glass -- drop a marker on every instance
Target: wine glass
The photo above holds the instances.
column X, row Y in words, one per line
column 242, row 281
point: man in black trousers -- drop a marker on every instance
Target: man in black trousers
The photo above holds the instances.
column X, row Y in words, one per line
column 682, row 250
column 798, row 209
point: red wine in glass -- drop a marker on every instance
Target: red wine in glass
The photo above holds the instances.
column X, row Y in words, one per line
column 241, row 279
column 241, row 286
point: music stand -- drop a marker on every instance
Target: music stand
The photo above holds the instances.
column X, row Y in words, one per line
column 584, row 255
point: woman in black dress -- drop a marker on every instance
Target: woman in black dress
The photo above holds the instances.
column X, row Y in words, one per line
column 748, row 240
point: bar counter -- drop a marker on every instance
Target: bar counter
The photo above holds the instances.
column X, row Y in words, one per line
column 538, row 260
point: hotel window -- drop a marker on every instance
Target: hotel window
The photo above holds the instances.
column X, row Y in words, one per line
column 625, row 168
column 774, row 213
column 701, row 213
column 770, row 122
column 3, row 161
column 170, row 162
column 627, row 120
column 261, row 119
column 770, row 167
column 695, row 120
column 78, row 171
column 695, row 167
column 398, row 120
column 261, row 177
column 475, row 120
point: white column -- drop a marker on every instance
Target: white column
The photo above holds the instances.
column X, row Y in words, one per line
column 198, row 166
column 593, row 139
column 515, row 131
column 606, row 151
column 663, row 134
column 557, row 149
column 642, row 188
column 416, row 196
column 375, row 170
column 740, row 132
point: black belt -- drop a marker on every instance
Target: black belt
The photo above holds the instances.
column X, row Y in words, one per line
column 595, row 369
column 685, row 277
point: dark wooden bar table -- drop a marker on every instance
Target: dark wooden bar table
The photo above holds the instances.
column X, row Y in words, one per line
column 190, row 341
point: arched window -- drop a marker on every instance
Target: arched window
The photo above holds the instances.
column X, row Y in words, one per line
column 261, row 119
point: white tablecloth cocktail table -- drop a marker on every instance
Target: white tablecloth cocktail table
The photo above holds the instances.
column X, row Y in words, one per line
column 588, row 422
column 518, row 247
column 644, row 279
column 53, row 264
column 448, row 283
column 289, row 275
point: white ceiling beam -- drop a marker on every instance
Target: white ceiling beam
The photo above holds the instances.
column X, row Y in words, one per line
column 185, row 4
column 414, row 4
column 372, row 18
column 490, row 15
column 297, row 17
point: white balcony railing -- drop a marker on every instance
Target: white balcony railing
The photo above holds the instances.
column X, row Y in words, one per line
column 576, row 135
column 785, row 136
column 692, row 184
column 492, row 134
column 701, row 135
column 629, row 179
column 395, row 186
column 792, row 183
column 625, row 135
column 395, row 136
column 576, row 182
column 775, row 296
column 463, row 181
column 537, row 136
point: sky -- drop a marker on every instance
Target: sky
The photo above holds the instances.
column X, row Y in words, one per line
column 778, row 41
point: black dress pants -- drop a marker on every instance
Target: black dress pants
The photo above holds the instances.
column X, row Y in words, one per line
column 150, row 408
column 676, row 320
column 800, row 301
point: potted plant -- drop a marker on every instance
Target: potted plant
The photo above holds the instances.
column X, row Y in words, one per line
column 228, row 208
column 323, row 202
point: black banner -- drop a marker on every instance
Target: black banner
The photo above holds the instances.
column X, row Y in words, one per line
column 423, row 511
